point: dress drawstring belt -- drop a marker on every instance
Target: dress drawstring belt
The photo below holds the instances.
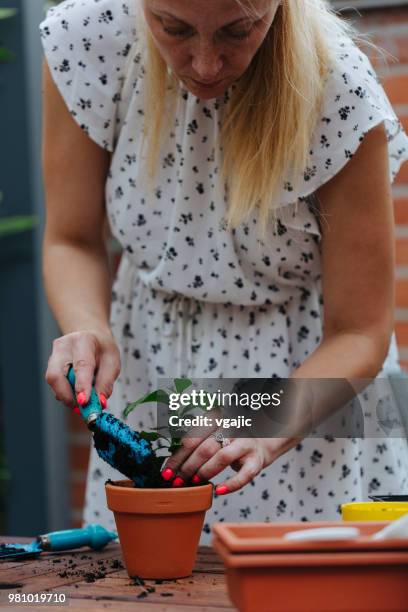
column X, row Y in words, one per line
column 178, row 321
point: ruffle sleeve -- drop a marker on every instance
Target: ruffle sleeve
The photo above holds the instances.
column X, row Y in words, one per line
column 86, row 44
column 354, row 103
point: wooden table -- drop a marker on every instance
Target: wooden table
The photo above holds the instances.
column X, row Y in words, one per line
column 93, row 580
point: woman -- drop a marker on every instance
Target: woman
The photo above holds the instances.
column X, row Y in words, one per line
column 243, row 153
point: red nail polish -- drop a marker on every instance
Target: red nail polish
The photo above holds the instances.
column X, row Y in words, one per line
column 196, row 479
column 221, row 489
column 77, row 410
column 103, row 400
column 167, row 474
column 178, row 482
column 81, row 398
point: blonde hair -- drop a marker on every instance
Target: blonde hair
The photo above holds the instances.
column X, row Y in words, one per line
column 271, row 115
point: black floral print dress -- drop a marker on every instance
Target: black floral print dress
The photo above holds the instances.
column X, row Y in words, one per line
column 192, row 298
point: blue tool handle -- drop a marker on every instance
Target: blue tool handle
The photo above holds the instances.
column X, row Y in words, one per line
column 93, row 535
column 93, row 407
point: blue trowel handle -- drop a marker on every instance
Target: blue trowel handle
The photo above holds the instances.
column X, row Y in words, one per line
column 93, row 535
column 93, row 408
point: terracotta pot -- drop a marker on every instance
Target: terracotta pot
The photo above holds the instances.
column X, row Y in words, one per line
column 266, row 572
column 159, row 529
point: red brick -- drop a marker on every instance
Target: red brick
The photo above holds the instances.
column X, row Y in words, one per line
column 404, row 120
column 396, row 45
column 401, row 331
column 78, row 456
column 387, row 46
column 402, row 252
column 396, row 88
column 402, row 53
column 401, row 211
column 76, row 424
column 402, row 176
column 375, row 19
column 375, row 62
column 78, row 495
column 401, row 43
column 401, row 294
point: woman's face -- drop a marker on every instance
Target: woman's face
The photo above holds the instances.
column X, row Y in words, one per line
column 209, row 44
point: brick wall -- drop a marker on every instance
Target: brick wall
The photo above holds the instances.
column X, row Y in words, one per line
column 390, row 27
column 79, row 444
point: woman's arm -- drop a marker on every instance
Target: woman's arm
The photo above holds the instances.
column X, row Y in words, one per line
column 75, row 260
column 358, row 262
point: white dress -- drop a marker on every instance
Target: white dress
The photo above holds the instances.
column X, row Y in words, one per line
column 193, row 299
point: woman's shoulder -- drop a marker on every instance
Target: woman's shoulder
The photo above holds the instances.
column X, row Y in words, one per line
column 91, row 15
column 84, row 26
column 354, row 102
column 87, row 44
column 350, row 66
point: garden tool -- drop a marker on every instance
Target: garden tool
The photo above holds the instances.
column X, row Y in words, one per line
column 124, row 449
column 95, row 536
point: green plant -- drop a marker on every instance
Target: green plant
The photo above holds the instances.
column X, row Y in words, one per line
column 5, row 54
column 15, row 225
column 170, row 440
column 159, row 396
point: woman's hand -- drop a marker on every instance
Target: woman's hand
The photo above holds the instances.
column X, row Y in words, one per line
column 89, row 352
column 199, row 460
column 76, row 263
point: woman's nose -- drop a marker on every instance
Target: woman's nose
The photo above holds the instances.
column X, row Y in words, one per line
column 207, row 62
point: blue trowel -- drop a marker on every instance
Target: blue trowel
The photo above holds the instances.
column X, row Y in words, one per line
column 95, row 536
column 124, row 449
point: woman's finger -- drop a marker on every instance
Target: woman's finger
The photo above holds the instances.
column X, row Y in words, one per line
column 84, row 352
column 200, row 456
column 108, row 371
column 220, row 460
column 178, row 458
column 251, row 466
column 57, row 369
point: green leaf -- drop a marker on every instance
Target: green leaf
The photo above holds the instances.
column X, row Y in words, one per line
column 150, row 436
column 175, row 445
column 181, row 384
column 159, row 396
column 15, row 225
column 6, row 13
column 6, row 55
